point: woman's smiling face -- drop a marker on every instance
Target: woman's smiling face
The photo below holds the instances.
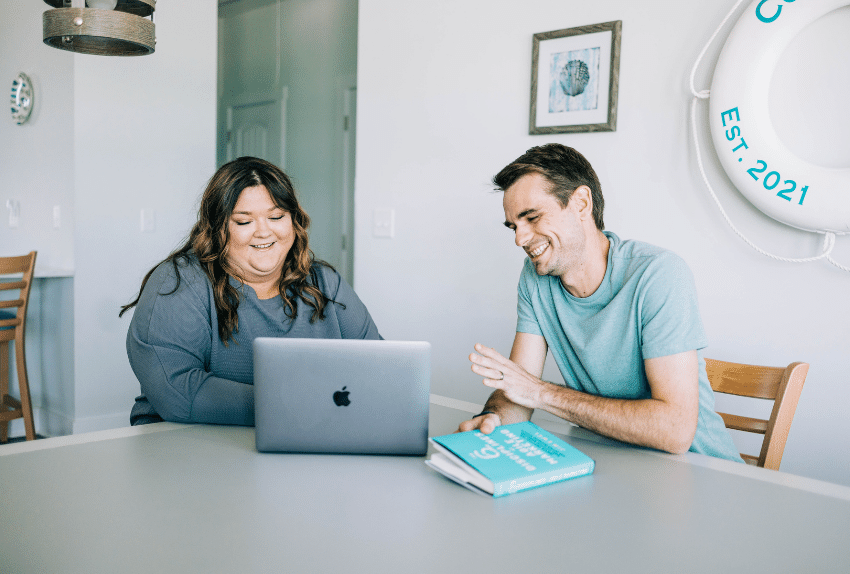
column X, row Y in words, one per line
column 261, row 235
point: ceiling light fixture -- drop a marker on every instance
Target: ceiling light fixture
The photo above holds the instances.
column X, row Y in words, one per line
column 101, row 27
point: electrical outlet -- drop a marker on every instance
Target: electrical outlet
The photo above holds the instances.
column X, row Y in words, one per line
column 57, row 216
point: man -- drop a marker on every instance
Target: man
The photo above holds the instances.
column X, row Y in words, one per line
column 620, row 317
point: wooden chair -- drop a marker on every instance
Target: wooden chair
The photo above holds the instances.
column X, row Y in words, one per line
column 12, row 328
column 780, row 384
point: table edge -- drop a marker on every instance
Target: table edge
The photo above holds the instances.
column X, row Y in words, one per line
column 564, row 428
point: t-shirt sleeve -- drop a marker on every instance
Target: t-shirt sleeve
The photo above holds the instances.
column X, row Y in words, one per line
column 670, row 317
column 355, row 322
column 527, row 290
column 169, row 344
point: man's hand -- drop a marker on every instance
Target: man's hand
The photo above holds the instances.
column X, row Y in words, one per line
column 529, row 352
column 517, row 384
column 485, row 423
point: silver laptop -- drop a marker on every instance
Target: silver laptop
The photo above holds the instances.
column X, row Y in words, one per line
column 341, row 396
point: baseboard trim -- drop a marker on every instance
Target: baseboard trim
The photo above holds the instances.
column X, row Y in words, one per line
column 99, row 423
column 47, row 423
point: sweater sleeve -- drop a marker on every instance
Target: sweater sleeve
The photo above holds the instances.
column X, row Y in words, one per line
column 169, row 345
column 355, row 322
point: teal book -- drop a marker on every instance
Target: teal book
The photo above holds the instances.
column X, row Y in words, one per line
column 511, row 459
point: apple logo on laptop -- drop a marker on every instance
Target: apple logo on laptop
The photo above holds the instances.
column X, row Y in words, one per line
column 341, row 398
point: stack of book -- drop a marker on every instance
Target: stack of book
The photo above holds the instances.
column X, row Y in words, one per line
column 511, row 459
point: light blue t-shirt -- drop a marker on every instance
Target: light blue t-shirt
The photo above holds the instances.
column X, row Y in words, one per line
column 646, row 307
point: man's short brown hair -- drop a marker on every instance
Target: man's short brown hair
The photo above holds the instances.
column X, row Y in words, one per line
column 563, row 167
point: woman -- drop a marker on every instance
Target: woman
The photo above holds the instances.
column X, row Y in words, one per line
column 246, row 271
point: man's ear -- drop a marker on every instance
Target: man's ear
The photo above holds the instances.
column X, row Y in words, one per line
column 582, row 201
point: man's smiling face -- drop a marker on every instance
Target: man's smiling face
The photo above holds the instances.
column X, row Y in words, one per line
column 551, row 235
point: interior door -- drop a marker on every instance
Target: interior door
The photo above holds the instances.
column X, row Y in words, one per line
column 256, row 126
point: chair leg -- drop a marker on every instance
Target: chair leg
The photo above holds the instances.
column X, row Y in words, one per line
column 4, row 387
column 24, row 389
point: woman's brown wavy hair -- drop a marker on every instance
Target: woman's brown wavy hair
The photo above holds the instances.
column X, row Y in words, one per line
column 209, row 243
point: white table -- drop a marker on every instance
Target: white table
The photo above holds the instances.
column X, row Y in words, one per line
column 178, row 498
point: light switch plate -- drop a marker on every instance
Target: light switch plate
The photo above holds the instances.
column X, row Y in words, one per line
column 148, row 220
column 383, row 223
column 14, row 207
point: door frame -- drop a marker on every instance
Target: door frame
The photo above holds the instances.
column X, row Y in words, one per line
column 347, row 88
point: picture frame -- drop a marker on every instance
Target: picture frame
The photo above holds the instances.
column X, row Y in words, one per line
column 574, row 79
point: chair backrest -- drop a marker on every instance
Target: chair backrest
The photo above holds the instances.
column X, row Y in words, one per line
column 783, row 385
column 12, row 325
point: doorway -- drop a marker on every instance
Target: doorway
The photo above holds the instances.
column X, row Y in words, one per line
column 287, row 93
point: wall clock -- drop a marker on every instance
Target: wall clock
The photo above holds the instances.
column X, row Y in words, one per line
column 21, row 99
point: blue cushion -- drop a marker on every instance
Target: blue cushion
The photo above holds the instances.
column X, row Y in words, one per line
column 6, row 315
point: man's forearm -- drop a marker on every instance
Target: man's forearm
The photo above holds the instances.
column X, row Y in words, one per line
column 646, row 422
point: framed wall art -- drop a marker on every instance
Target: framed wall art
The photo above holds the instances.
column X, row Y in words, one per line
column 574, row 78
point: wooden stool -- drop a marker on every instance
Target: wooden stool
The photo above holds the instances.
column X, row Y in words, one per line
column 12, row 328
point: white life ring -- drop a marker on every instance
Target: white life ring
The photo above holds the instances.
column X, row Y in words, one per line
column 780, row 184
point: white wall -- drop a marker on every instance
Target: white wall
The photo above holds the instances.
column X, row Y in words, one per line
column 108, row 137
column 144, row 139
column 443, row 98
column 37, row 158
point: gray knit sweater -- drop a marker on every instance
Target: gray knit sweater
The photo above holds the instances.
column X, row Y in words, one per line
column 188, row 375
